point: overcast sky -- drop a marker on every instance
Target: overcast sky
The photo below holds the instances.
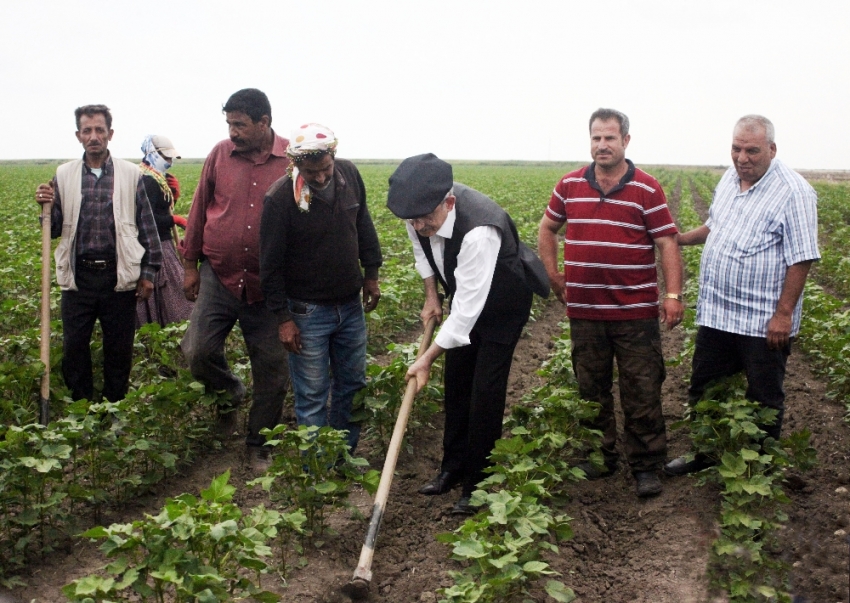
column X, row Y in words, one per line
column 462, row 79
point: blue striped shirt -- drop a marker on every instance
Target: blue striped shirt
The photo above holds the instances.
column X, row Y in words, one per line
column 755, row 236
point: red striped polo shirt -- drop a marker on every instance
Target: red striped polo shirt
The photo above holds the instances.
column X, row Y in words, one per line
column 609, row 250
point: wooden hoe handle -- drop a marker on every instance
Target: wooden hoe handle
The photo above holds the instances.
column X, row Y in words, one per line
column 44, row 410
column 359, row 585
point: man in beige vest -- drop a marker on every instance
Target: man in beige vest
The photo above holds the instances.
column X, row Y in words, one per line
column 107, row 258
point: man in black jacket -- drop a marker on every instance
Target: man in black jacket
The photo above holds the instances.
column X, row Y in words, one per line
column 316, row 241
column 467, row 243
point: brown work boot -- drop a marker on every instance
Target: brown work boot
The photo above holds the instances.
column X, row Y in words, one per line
column 259, row 459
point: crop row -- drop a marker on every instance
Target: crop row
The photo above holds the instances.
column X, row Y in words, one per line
column 833, row 270
column 57, row 478
column 209, row 550
column 725, row 427
column 825, row 331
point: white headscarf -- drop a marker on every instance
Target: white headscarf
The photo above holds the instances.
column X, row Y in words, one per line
column 309, row 139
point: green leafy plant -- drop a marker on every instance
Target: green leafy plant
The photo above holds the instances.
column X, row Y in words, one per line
column 553, row 422
column 750, row 468
column 284, row 537
column 96, row 454
column 193, row 551
column 379, row 402
column 502, row 549
column 825, row 336
column 32, row 494
column 312, row 470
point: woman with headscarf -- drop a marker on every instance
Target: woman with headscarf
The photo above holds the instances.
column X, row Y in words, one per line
column 167, row 304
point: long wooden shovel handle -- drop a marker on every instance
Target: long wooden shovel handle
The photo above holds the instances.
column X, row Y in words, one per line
column 44, row 410
column 363, row 571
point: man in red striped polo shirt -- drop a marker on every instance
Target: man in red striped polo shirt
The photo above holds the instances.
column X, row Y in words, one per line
column 616, row 215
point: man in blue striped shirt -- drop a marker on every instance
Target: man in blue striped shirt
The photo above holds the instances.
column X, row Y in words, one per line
column 760, row 241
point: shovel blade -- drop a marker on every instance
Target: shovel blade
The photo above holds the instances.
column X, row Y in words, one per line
column 357, row 589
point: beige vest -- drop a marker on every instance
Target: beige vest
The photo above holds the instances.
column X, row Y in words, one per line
column 129, row 251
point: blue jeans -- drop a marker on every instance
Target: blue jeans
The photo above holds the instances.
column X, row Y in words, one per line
column 332, row 361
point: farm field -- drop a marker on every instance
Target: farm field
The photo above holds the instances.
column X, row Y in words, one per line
column 622, row 549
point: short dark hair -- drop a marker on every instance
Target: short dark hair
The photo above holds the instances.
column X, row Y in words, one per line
column 250, row 101
column 91, row 111
column 606, row 114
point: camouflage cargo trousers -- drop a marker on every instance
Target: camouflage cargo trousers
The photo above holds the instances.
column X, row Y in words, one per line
column 636, row 345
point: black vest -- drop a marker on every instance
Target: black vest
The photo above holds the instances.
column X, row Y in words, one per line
column 509, row 300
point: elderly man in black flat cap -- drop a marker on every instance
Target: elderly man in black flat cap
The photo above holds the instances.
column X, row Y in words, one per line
column 466, row 242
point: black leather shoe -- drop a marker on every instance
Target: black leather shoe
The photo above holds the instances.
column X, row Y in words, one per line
column 648, row 483
column 594, row 472
column 441, row 484
column 680, row 466
column 462, row 507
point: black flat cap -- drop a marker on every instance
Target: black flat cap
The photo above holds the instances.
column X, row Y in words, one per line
column 418, row 186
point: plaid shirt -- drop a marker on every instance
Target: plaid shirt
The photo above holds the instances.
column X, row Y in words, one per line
column 755, row 236
column 96, row 224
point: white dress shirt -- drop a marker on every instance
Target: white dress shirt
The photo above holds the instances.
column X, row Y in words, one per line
column 476, row 263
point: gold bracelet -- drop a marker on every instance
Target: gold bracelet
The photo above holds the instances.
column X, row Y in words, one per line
column 677, row 296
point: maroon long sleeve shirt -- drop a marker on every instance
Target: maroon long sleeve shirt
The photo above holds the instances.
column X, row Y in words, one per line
column 224, row 223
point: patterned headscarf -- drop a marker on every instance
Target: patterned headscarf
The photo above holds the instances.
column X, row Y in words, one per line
column 154, row 165
column 309, row 139
column 152, row 156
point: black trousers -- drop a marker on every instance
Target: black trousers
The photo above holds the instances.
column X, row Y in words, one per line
column 216, row 312
column 96, row 299
column 475, row 391
column 720, row 354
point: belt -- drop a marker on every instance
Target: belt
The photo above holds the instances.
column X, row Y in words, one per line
column 95, row 264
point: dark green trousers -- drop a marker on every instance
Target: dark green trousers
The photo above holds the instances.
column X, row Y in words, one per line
column 636, row 345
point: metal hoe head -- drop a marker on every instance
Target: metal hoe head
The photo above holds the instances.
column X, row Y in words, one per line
column 357, row 589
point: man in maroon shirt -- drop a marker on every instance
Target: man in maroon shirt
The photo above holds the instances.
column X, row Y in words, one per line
column 223, row 235
column 616, row 217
